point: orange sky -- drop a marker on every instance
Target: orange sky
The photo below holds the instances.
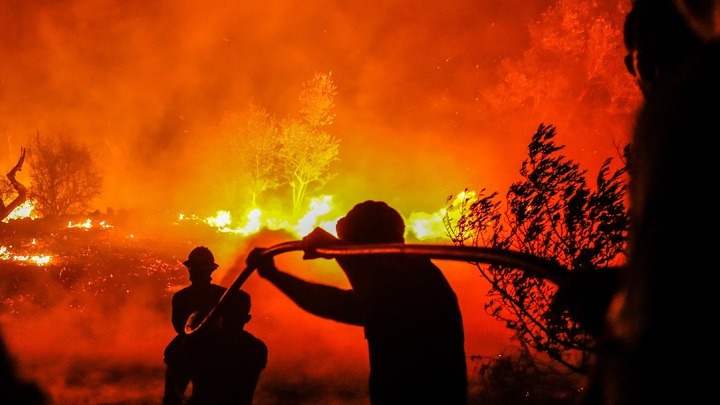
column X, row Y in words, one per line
column 144, row 84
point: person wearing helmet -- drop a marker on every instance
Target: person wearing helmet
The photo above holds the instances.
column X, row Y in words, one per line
column 200, row 296
column 409, row 312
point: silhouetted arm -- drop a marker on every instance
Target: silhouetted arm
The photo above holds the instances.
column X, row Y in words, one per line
column 319, row 299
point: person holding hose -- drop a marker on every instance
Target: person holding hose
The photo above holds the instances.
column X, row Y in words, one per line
column 409, row 312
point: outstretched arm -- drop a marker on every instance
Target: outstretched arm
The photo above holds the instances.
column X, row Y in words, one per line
column 318, row 299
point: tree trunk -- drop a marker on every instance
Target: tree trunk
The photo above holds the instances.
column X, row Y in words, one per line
column 22, row 191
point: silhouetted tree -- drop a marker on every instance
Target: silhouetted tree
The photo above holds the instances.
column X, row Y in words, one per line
column 553, row 214
column 12, row 193
column 64, row 177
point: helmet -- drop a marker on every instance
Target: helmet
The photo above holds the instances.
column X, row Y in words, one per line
column 201, row 258
column 371, row 222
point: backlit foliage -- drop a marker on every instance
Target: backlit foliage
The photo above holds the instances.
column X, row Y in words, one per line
column 554, row 214
column 317, row 99
column 306, row 149
column 260, row 153
column 306, row 153
column 572, row 73
column 249, row 150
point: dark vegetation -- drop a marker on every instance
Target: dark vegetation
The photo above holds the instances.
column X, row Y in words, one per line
column 554, row 212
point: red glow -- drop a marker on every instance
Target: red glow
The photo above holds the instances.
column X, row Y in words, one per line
column 146, row 86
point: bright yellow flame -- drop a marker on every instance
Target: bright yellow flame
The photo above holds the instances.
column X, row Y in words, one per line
column 253, row 222
column 87, row 224
column 221, row 220
column 428, row 226
column 256, row 219
column 40, row 260
column 322, row 214
column 24, row 210
column 431, row 226
column 319, row 206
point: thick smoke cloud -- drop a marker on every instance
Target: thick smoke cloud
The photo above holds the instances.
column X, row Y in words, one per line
column 144, row 85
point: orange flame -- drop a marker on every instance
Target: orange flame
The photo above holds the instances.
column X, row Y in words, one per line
column 321, row 213
column 24, row 210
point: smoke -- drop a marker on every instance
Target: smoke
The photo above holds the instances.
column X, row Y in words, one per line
column 145, row 85
column 95, row 324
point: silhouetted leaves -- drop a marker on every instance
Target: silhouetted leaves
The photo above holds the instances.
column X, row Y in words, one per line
column 65, row 179
column 517, row 378
column 552, row 214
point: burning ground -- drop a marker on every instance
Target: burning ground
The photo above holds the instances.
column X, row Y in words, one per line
column 90, row 324
column 82, row 323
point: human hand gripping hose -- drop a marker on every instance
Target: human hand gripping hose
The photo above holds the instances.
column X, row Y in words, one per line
column 543, row 268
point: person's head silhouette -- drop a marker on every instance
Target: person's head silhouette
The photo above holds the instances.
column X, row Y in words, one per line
column 371, row 222
column 236, row 309
column 200, row 263
column 658, row 40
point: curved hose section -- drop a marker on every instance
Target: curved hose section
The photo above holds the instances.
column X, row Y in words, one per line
column 543, row 268
column 238, row 282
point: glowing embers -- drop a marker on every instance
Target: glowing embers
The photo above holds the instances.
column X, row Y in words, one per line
column 88, row 224
column 38, row 259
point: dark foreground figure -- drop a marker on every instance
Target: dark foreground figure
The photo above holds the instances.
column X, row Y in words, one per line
column 652, row 348
column 200, row 296
column 13, row 389
column 225, row 361
column 410, row 313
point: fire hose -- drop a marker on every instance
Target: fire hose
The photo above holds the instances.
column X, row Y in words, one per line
column 543, row 268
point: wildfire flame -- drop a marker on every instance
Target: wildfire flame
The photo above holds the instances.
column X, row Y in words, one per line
column 87, row 224
column 321, row 213
column 24, row 210
column 40, row 260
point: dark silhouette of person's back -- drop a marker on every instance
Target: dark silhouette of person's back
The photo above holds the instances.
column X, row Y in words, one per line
column 226, row 361
column 663, row 303
column 199, row 297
